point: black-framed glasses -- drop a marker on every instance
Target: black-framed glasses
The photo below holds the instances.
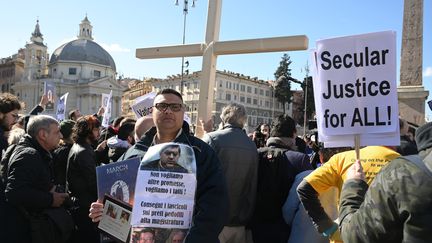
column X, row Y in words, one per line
column 175, row 107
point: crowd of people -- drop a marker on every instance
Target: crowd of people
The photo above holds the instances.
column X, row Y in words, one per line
column 268, row 186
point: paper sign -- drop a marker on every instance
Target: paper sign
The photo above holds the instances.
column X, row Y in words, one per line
column 107, row 113
column 355, row 88
column 165, row 188
column 143, row 105
column 61, row 107
column 49, row 91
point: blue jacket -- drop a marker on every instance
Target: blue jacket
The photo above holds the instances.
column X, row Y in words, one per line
column 302, row 228
column 211, row 197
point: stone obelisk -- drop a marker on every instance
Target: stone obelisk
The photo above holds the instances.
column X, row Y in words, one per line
column 411, row 92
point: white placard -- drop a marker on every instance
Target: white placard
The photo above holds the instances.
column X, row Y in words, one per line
column 355, row 89
column 61, row 107
column 143, row 105
column 106, row 103
column 165, row 194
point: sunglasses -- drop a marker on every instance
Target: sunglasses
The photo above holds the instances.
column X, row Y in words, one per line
column 164, row 106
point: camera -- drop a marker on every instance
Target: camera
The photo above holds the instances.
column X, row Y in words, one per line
column 70, row 202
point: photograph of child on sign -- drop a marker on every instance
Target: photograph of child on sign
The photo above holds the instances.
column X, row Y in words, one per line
column 124, row 217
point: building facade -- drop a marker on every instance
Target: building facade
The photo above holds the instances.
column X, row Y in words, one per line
column 80, row 67
column 136, row 88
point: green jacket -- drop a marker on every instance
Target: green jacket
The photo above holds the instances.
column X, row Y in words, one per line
column 396, row 208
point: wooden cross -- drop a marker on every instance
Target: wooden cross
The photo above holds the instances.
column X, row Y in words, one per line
column 213, row 48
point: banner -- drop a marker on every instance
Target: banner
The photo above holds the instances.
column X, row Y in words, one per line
column 61, row 107
column 106, row 104
column 118, row 180
column 355, row 89
column 143, row 105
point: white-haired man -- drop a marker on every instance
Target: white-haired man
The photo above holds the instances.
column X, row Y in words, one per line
column 239, row 159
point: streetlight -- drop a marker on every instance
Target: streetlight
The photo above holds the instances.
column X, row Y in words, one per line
column 185, row 12
column 305, row 94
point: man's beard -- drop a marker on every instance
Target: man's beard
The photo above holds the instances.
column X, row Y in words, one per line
column 5, row 127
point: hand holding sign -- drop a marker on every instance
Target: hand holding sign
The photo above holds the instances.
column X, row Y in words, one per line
column 356, row 171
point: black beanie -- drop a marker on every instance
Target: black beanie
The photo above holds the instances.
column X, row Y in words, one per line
column 66, row 128
column 423, row 136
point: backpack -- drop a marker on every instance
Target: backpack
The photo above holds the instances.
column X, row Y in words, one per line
column 276, row 175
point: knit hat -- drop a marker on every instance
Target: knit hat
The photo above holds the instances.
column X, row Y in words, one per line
column 423, row 136
column 66, row 127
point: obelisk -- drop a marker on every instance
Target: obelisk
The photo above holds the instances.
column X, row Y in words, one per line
column 411, row 92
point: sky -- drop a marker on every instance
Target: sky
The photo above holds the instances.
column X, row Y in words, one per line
column 123, row 26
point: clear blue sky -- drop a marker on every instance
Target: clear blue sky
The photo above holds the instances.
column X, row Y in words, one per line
column 123, row 26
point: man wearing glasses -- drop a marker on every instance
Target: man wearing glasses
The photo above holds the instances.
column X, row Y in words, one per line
column 211, row 197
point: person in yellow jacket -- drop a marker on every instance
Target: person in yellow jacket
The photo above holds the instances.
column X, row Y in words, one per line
column 333, row 174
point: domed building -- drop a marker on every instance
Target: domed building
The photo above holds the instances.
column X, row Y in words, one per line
column 81, row 67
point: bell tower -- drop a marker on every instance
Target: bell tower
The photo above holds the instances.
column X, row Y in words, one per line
column 85, row 31
column 36, row 56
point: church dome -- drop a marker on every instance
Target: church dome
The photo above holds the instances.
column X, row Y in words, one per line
column 83, row 50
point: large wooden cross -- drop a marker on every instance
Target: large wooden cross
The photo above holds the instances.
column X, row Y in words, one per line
column 213, row 48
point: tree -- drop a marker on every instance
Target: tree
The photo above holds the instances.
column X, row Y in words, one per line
column 283, row 87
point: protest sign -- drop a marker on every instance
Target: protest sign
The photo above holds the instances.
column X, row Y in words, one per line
column 49, row 91
column 61, row 107
column 143, row 105
column 166, row 185
column 355, row 88
column 118, row 180
column 106, row 103
column 115, row 220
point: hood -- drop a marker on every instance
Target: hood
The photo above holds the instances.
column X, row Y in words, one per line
column 423, row 136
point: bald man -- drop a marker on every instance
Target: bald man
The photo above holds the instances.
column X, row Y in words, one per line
column 142, row 125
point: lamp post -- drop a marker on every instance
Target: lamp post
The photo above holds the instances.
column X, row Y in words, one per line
column 185, row 12
column 273, row 98
column 305, row 92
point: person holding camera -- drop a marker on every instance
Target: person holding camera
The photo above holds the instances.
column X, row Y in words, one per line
column 29, row 181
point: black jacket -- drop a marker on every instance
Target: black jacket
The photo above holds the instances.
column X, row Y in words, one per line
column 29, row 180
column 60, row 157
column 30, row 176
column 81, row 175
column 211, row 197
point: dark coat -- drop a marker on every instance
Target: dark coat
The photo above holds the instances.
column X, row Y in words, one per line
column 407, row 147
column 29, row 180
column 211, row 197
column 239, row 159
column 60, row 158
column 81, row 178
column 82, row 174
